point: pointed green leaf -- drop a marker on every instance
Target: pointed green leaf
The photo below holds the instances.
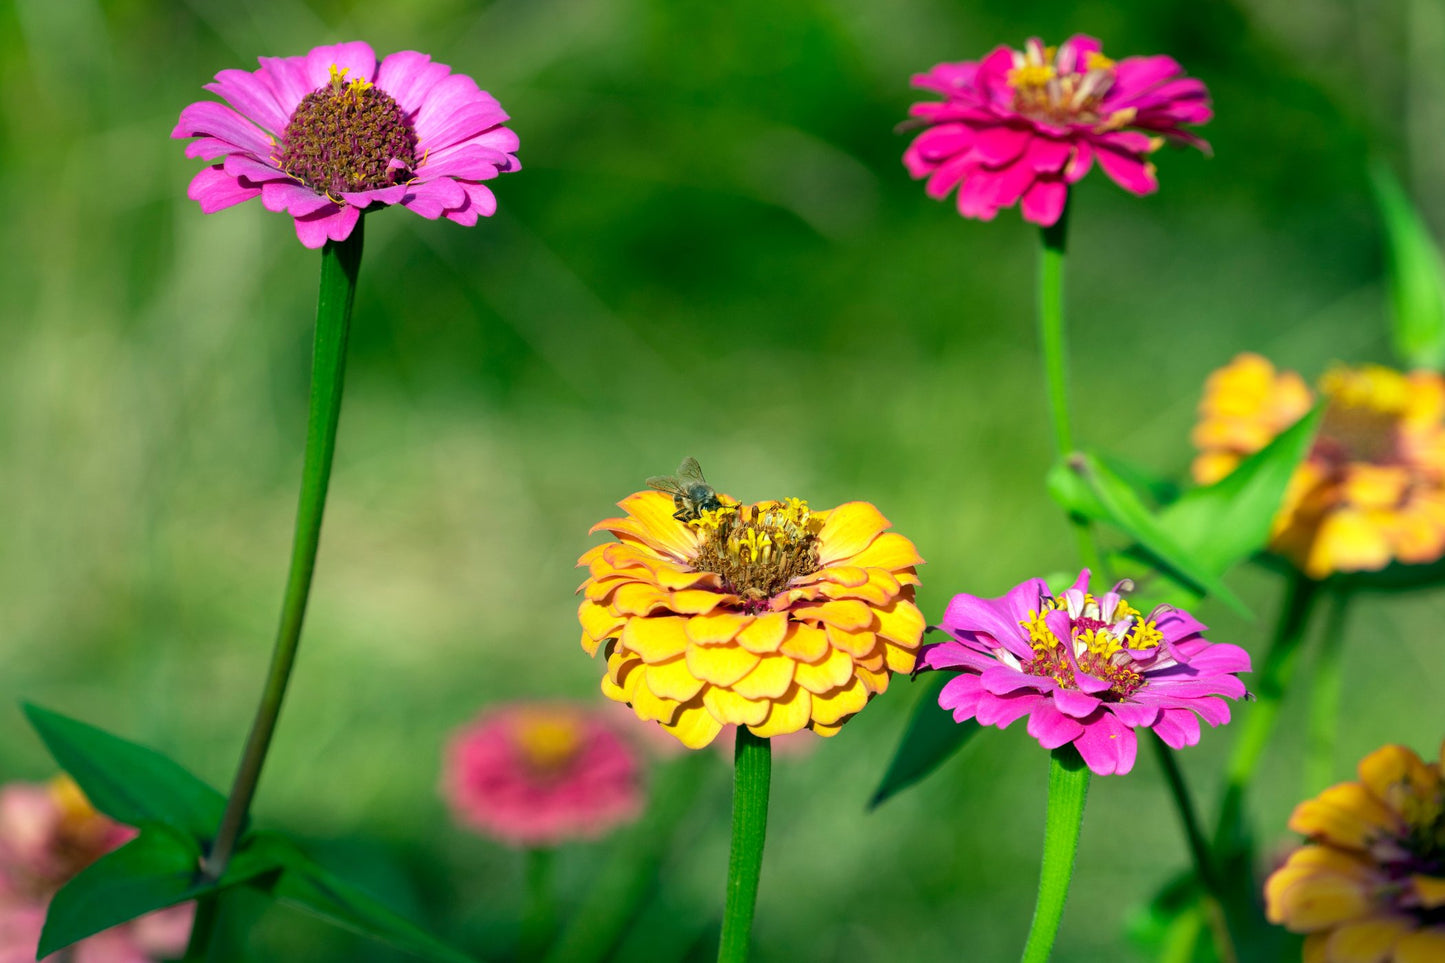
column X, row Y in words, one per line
column 930, row 738
column 1225, row 523
column 158, row 868
column 306, row 885
column 126, row 781
column 1417, row 279
column 1123, row 508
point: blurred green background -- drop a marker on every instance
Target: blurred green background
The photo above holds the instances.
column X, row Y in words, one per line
column 712, row 250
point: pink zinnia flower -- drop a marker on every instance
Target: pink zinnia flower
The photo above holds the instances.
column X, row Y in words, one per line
column 538, row 774
column 1027, row 124
column 325, row 135
column 48, row 833
column 1084, row 670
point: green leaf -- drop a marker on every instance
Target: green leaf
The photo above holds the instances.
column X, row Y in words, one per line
column 126, row 781
column 1225, row 523
column 1122, row 507
column 158, row 868
column 306, row 885
column 1417, row 280
column 930, row 738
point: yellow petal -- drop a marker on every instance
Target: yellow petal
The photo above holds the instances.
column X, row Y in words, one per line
column 806, row 643
column 674, row 577
column 849, row 614
column 837, row 706
column 652, row 514
column 656, row 639
column 1346, row 815
column 1430, row 890
column 1309, row 894
column 899, row 659
column 593, row 554
column 764, row 633
column 848, row 530
column 856, row 644
column 695, row 727
column 826, row 731
column 695, row 601
column 880, row 588
column 720, row 664
column 672, row 680
column 1315, row 949
column 788, row 714
column 900, row 622
column 1347, row 541
column 833, row 670
column 716, row 627
column 844, row 575
column 601, row 589
column 734, row 710
column 1367, row 941
column 1421, row 946
column 597, row 621
column 1375, row 486
column 638, row 598
column 875, row 681
column 890, row 551
column 1401, row 780
column 769, row 680
column 647, row 705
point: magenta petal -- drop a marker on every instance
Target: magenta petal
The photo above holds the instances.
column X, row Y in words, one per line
column 253, row 98
column 947, row 175
column 356, row 58
column 961, row 694
column 296, row 199
column 1134, row 714
column 286, row 77
column 434, row 198
column 215, row 190
column 315, row 229
column 208, row 118
column 1002, row 680
column 954, row 655
column 1072, row 702
column 1127, row 170
column 1135, row 75
column 1073, row 55
column 1108, row 746
column 997, row 146
column 467, row 122
column 1044, row 202
column 1001, row 711
column 1052, row 728
column 444, row 98
column 407, row 75
column 1048, row 156
column 973, row 615
column 244, row 165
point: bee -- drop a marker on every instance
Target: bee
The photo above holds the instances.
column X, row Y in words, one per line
column 691, row 494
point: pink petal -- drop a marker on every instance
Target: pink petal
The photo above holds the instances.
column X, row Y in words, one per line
column 244, row 165
column 481, row 202
column 1135, row 75
column 1073, row 53
column 989, row 617
column 296, row 199
column 1127, row 170
column 1108, row 746
column 253, row 98
column 1002, row 680
column 355, row 57
column 1048, row 156
column 1134, row 714
column 333, row 223
column 380, row 196
column 1001, row 711
column 997, row 146
column 1072, row 702
column 208, row 118
column 947, row 176
column 215, row 190
column 287, row 78
column 961, row 695
column 1052, row 728
column 1178, row 728
column 407, row 76
column 434, row 198
column 439, row 103
column 1044, row 202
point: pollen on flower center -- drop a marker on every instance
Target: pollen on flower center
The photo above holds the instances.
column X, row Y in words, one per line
column 1103, row 637
column 347, row 136
column 547, row 742
column 759, row 549
column 1363, row 418
column 1044, row 91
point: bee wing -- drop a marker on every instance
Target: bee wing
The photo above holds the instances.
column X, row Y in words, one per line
column 664, row 483
column 690, row 471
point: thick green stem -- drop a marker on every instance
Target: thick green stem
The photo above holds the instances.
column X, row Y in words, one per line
column 1199, row 849
column 1053, row 345
column 1068, row 790
column 339, row 264
column 752, row 774
column 1325, row 690
column 539, row 915
column 1259, row 719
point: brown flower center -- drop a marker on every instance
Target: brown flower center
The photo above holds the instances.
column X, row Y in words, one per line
column 759, row 549
column 347, row 137
column 547, row 742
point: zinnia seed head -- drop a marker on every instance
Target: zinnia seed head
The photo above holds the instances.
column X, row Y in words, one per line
column 758, row 549
column 347, row 136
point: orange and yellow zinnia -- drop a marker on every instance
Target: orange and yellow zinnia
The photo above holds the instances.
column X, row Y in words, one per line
column 772, row 615
column 1369, row 887
column 1370, row 492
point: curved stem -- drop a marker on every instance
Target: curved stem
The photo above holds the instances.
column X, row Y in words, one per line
column 1068, row 790
column 752, row 774
column 1325, row 689
column 1258, row 725
column 1053, row 346
column 339, row 264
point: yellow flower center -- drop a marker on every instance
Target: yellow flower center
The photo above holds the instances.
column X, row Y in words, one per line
column 1045, row 93
column 1100, row 641
column 1362, row 420
column 547, row 741
column 759, row 549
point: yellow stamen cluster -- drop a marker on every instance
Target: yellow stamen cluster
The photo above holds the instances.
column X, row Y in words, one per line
column 547, row 741
column 1041, row 90
column 339, row 83
column 1097, row 649
column 759, row 549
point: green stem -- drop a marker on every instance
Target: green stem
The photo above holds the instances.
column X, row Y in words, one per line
column 752, row 773
column 1053, row 344
column 339, row 264
column 539, row 915
column 1258, row 724
column 1068, row 790
column 1325, row 690
column 1199, row 849
column 198, row 950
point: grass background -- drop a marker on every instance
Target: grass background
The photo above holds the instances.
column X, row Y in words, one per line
column 712, row 250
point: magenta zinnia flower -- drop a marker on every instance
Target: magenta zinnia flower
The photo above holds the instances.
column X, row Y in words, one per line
column 1027, row 124
column 1084, row 670
column 538, row 774
column 325, row 135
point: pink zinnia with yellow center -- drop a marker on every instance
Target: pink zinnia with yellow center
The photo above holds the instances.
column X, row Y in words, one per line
column 539, row 774
column 1085, row 670
column 326, row 135
column 1372, row 488
column 1023, row 125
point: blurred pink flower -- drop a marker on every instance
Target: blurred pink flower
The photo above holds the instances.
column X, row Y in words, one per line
column 1025, row 124
column 48, row 833
column 539, row 774
column 1084, row 670
column 327, row 134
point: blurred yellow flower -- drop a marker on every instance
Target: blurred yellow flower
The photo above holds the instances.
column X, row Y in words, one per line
column 1370, row 884
column 771, row 615
column 1372, row 488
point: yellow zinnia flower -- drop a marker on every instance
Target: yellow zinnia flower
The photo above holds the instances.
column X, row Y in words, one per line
column 1370, row 885
column 771, row 615
column 1372, row 488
